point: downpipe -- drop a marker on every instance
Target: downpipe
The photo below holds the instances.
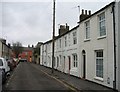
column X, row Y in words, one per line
column 114, row 34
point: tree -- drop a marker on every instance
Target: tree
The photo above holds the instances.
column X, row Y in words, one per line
column 17, row 48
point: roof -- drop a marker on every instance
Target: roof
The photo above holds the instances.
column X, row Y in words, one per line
column 112, row 3
column 67, row 32
column 57, row 37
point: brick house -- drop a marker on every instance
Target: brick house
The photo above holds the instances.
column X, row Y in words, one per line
column 27, row 53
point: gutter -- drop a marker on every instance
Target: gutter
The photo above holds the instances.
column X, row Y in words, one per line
column 114, row 34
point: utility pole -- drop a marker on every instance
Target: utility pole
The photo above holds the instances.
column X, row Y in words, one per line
column 53, row 39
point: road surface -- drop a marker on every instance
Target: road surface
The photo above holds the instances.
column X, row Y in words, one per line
column 27, row 77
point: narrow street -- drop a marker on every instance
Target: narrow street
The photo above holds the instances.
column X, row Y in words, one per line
column 27, row 77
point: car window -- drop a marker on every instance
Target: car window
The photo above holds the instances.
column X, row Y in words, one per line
column 1, row 63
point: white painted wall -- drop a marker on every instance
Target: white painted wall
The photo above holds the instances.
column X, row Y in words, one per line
column 117, row 19
column 65, row 52
column 49, row 54
column 41, row 55
column 96, row 43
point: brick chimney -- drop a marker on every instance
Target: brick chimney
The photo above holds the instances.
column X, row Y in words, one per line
column 63, row 29
column 84, row 14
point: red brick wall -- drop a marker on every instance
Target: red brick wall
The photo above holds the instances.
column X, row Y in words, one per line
column 26, row 55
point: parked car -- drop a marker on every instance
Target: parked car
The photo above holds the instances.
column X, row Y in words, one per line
column 23, row 60
column 2, row 76
column 5, row 68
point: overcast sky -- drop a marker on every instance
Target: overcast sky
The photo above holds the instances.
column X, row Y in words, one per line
column 30, row 21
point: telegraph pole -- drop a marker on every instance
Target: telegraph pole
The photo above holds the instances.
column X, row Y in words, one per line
column 53, row 38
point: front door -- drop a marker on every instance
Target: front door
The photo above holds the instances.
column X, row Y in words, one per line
column 84, row 64
column 69, row 60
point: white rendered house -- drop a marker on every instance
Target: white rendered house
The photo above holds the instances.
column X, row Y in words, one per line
column 99, row 46
column 90, row 50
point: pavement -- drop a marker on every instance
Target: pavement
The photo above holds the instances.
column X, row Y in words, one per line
column 75, row 83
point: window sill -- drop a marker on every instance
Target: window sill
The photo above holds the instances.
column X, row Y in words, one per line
column 86, row 40
column 101, row 37
column 99, row 79
column 74, row 69
column 74, row 43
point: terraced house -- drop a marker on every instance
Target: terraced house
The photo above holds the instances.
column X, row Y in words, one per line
column 90, row 50
column 5, row 49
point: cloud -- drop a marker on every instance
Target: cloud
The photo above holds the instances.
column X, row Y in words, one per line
column 31, row 22
column 26, row 22
column 55, row 0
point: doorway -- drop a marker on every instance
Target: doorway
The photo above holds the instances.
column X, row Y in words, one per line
column 84, row 63
column 69, row 61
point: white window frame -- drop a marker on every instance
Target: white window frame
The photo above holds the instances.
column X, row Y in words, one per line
column 75, row 60
column 65, row 38
column 69, row 38
column 99, row 59
column 102, row 24
column 74, row 37
column 87, row 29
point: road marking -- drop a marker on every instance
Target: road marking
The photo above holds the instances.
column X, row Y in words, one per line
column 60, row 81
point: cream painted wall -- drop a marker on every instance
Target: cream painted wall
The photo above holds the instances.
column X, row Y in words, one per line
column 97, row 43
column 90, row 46
column 117, row 19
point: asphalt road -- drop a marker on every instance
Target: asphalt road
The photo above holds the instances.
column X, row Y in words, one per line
column 27, row 77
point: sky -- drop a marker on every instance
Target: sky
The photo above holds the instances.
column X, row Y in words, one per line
column 30, row 21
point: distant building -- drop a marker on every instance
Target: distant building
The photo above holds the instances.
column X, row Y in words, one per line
column 37, row 53
column 5, row 49
column 27, row 54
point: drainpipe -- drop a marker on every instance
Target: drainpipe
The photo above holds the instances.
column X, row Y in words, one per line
column 114, row 34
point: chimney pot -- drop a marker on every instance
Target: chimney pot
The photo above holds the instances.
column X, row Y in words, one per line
column 66, row 24
column 85, row 12
column 82, row 11
column 89, row 12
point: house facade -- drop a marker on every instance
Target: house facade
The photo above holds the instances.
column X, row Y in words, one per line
column 117, row 33
column 37, row 53
column 27, row 54
column 5, row 49
column 97, row 48
column 91, row 49
column 66, row 52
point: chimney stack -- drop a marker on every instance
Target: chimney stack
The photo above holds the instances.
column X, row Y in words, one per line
column 82, row 11
column 63, row 29
column 85, row 12
column 89, row 12
column 84, row 16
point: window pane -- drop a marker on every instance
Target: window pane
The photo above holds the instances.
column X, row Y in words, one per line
column 87, row 29
column 76, row 64
column 99, row 63
column 102, row 24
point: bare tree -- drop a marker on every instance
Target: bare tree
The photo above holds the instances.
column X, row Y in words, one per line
column 17, row 48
